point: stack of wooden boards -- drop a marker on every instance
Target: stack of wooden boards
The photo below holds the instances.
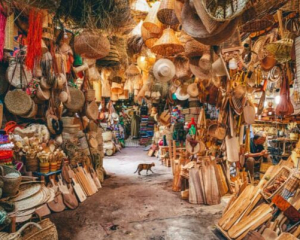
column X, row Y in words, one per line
column 85, row 183
column 207, row 182
column 250, row 214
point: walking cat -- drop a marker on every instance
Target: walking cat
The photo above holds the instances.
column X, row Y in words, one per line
column 144, row 166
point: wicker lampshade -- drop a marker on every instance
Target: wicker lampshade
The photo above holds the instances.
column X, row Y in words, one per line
column 168, row 44
column 151, row 23
column 166, row 13
column 150, row 38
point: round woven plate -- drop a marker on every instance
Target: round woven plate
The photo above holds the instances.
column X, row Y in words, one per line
column 27, row 190
column 18, row 102
column 77, row 100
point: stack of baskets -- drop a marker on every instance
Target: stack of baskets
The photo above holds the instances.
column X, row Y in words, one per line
column 108, row 144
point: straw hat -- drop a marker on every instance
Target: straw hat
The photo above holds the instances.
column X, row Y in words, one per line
column 133, row 70
column 197, row 71
column 182, row 67
column 193, row 90
column 115, row 117
column 218, row 68
column 194, row 48
column 218, row 38
column 281, row 49
column 168, row 44
column 164, row 70
column 224, row 10
column 166, row 12
column 181, row 93
column 151, row 23
column 205, row 61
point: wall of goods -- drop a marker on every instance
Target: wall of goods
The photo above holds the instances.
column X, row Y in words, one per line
column 206, row 74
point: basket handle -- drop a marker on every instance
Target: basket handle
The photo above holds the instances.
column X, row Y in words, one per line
column 28, row 224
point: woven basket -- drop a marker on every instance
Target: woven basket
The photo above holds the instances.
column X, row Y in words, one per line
column 9, row 33
column 166, row 12
column 32, row 163
column 223, row 10
column 11, row 183
column 33, row 112
column 76, row 100
column 47, row 232
column 151, row 23
column 168, row 44
column 91, row 44
column 92, row 111
column 281, row 49
column 90, row 95
column 17, row 235
column 18, row 102
column 16, row 72
column 257, row 25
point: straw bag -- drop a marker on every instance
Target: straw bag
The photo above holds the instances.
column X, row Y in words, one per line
column 18, row 234
column 91, row 44
column 47, row 232
column 165, row 117
column 18, row 102
column 76, row 100
column 92, row 110
column 17, row 74
column 11, row 179
column 249, row 113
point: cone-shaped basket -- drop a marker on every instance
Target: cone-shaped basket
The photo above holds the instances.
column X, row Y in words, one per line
column 151, row 23
column 168, row 44
column 166, row 13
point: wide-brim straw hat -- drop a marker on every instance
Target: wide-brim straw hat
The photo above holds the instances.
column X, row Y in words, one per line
column 221, row 36
column 166, row 12
column 194, row 48
column 151, row 23
column 224, row 10
column 182, row 67
column 193, row 90
column 281, row 49
column 181, row 93
column 168, row 44
column 133, row 70
column 218, row 68
column 205, row 61
column 193, row 25
column 164, row 70
column 197, row 71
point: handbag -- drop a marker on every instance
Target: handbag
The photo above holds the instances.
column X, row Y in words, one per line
column 249, row 113
column 165, row 117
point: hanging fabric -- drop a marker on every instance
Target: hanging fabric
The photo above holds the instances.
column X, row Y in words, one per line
column 2, row 31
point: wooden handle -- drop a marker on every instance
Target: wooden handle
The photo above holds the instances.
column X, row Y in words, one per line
column 297, row 232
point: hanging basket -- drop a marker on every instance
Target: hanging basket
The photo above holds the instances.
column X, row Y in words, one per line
column 224, row 10
column 18, row 102
column 76, row 100
column 90, row 44
column 166, row 12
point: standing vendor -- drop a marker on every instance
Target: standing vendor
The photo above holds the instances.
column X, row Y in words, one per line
column 256, row 155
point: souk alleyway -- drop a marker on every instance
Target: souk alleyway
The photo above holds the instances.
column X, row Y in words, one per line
column 137, row 207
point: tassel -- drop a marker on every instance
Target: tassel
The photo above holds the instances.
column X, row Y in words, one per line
column 34, row 38
column 2, row 32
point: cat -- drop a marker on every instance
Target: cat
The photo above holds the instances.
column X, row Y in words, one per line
column 144, row 166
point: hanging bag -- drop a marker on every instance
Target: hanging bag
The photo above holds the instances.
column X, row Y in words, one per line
column 249, row 113
column 165, row 116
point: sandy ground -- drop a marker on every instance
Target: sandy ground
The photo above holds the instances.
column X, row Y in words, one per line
column 137, row 207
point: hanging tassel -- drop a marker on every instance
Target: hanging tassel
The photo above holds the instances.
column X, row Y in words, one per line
column 2, row 32
column 34, row 38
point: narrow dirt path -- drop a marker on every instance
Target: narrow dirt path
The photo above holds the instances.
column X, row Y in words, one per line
column 137, row 207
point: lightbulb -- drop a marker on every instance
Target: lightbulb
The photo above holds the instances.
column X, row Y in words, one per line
column 277, row 99
column 232, row 64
